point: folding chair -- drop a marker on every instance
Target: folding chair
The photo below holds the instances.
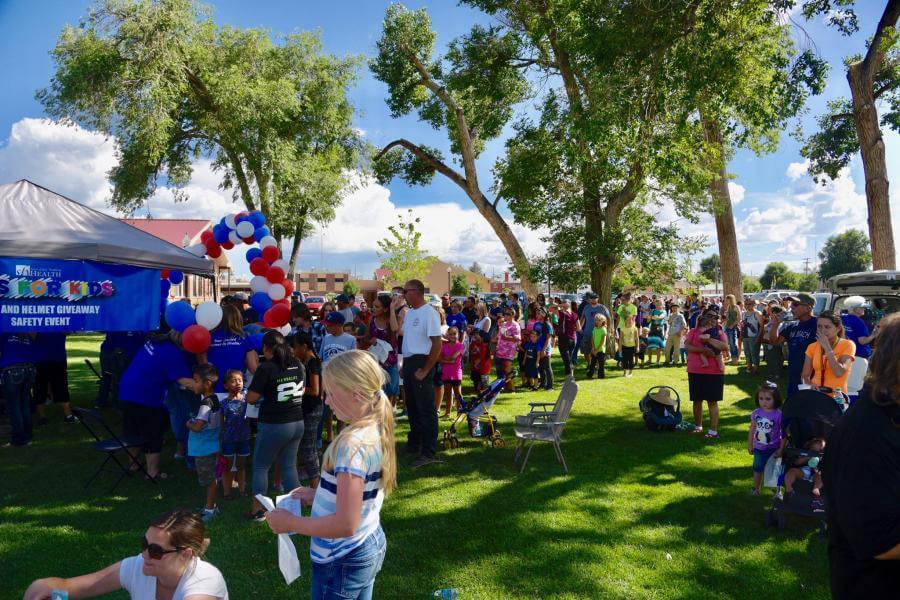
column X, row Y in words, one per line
column 541, row 425
column 94, row 422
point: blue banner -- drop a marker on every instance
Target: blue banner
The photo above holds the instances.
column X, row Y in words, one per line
column 45, row 295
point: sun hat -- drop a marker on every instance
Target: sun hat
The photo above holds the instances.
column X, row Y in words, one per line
column 854, row 302
column 663, row 396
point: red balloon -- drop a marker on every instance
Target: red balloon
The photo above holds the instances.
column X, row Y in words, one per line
column 270, row 253
column 164, row 274
column 228, row 245
column 288, row 287
column 195, row 339
column 275, row 274
column 205, row 235
column 279, row 314
column 214, row 252
column 243, row 213
column 268, row 320
column 259, row 266
column 249, row 240
column 284, row 301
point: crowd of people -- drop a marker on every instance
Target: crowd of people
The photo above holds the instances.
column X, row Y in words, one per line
column 318, row 406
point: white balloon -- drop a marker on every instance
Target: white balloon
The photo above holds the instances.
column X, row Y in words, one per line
column 229, row 222
column 235, row 238
column 281, row 263
column 245, row 229
column 277, row 291
column 284, row 329
column 267, row 241
column 209, row 314
column 259, row 284
column 197, row 249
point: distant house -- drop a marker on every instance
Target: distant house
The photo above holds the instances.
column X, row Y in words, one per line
column 438, row 279
column 184, row 233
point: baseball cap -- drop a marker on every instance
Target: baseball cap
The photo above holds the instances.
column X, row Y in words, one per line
column 342, row 298
column 334, row 318
column 855, row 302
column 241, row 296
column 589, row 295
column 803, row 299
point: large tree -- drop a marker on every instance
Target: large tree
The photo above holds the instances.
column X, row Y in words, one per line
column 846, row 252
column 852, row 126
column 171, row 86
column 469, row 93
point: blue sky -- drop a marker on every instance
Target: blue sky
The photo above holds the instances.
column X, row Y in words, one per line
column 780, row 214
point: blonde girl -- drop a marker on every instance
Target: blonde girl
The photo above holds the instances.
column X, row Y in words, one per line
column 358, row 471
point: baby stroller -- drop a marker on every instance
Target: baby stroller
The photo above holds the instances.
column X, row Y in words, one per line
column 481, row 423
column 808, row 414
column 661, row 411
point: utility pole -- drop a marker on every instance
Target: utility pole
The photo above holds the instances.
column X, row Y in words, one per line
column 806, row 266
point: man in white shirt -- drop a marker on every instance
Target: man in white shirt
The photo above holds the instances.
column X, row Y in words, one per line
column 421, row 348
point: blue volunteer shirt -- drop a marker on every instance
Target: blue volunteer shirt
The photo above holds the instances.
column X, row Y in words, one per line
column 799, row 335
column 16, row 348
column 228, row 351
column 458, row 321
column 154, row 369
column 855, row 328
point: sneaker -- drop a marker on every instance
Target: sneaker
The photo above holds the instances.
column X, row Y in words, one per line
column 71, row 419
column 423, row 460
column 818, row 504
column 258, row 516
column 208, row 514
column 779, row 495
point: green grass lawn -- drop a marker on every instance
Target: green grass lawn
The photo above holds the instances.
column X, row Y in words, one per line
column 640, row 515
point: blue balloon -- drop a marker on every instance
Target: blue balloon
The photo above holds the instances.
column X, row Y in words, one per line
column 257, row 218
column 260, row 233
column 241, row 219
column 253, row 253
column 165, row 286
column 176, row 277
column 220, row 233
column 180, row 315
column 260, row 302
column 256, row 340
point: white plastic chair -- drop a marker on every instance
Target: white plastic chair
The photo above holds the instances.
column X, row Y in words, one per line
column 857, row 376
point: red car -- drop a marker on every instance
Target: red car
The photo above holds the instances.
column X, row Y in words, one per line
column 315, row 303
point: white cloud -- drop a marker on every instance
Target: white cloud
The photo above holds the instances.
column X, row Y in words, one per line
column 796, row 170
column 736, row 191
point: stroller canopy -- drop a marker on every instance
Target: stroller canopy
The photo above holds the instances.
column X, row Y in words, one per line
column 812, row 405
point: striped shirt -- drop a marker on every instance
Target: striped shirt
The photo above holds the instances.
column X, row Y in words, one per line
column 359, row 454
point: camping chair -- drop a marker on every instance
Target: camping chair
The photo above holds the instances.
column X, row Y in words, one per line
column 94, row 422
column 857, row 377
column 541, row 425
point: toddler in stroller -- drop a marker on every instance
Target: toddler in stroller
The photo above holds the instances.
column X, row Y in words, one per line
column 807, row 418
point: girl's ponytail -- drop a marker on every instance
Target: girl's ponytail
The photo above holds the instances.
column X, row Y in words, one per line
column 384, row 416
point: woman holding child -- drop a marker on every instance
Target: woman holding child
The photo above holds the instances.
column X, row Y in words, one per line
column 706, row 370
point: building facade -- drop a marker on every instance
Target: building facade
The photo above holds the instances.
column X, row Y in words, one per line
column 321, row 282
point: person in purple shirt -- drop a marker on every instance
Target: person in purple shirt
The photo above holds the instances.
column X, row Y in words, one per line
column 52, row 376
column 764, row 438
column 17, row 358
column 159, row 363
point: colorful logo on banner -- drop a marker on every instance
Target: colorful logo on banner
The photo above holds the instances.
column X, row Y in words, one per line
column 43, row 295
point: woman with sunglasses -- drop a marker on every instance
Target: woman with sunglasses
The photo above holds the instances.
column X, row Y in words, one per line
column 170, row 565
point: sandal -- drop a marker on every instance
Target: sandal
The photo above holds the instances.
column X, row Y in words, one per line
column 712, row 435
column 697, row 429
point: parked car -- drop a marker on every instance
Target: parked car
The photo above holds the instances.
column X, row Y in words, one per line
column 315, row 303
column 486, row 297
column 433, row 299
column 767, row 295
column 880, row 288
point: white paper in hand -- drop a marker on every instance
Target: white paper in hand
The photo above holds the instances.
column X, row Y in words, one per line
column 287, row 553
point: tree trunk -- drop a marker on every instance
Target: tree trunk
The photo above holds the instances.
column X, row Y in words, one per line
column 729, row 258
column 508, row 239
column 871, row 146
column 295, row 251
column 601, row 282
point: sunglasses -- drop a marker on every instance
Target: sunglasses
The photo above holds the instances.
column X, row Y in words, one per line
column 769, row 385
column 155, row 551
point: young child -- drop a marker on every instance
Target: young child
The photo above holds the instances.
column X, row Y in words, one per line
column 479, row 363
column 807, row 469
column 531, row 348
column 711, row 330
column 451, row 369
column 682, row 351
column 358, row 472
column 203, row 436
column 628, row 343
column 643, row 344
column 598, row 348
column 764, row 438
column 235, row 434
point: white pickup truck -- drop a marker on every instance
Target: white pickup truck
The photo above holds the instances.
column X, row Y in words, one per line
column 880, row 288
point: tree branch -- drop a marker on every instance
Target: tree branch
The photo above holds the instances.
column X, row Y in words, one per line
column 422, row 155
column 875, row 54
column 886, row 88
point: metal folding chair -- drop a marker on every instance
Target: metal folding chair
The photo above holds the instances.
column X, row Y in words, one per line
column 542, row 425
column 108, row 442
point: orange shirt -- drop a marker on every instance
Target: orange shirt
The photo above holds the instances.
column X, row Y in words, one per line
column 820, row 364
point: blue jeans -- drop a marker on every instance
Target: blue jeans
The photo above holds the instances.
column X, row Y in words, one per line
column 732, row 335
column 578, row 337
column 276, row 441
column 392, row 383
column 17, row 382
column 352, row 575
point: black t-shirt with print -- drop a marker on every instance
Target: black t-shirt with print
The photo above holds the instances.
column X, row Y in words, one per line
column 281, row 391
column 310, row 401
column 861, row 474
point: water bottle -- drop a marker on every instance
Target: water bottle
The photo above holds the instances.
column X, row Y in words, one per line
column 446, row 594
column 59, row 595
column 839, row 396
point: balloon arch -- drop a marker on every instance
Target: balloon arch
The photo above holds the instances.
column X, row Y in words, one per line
column 271, row 289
